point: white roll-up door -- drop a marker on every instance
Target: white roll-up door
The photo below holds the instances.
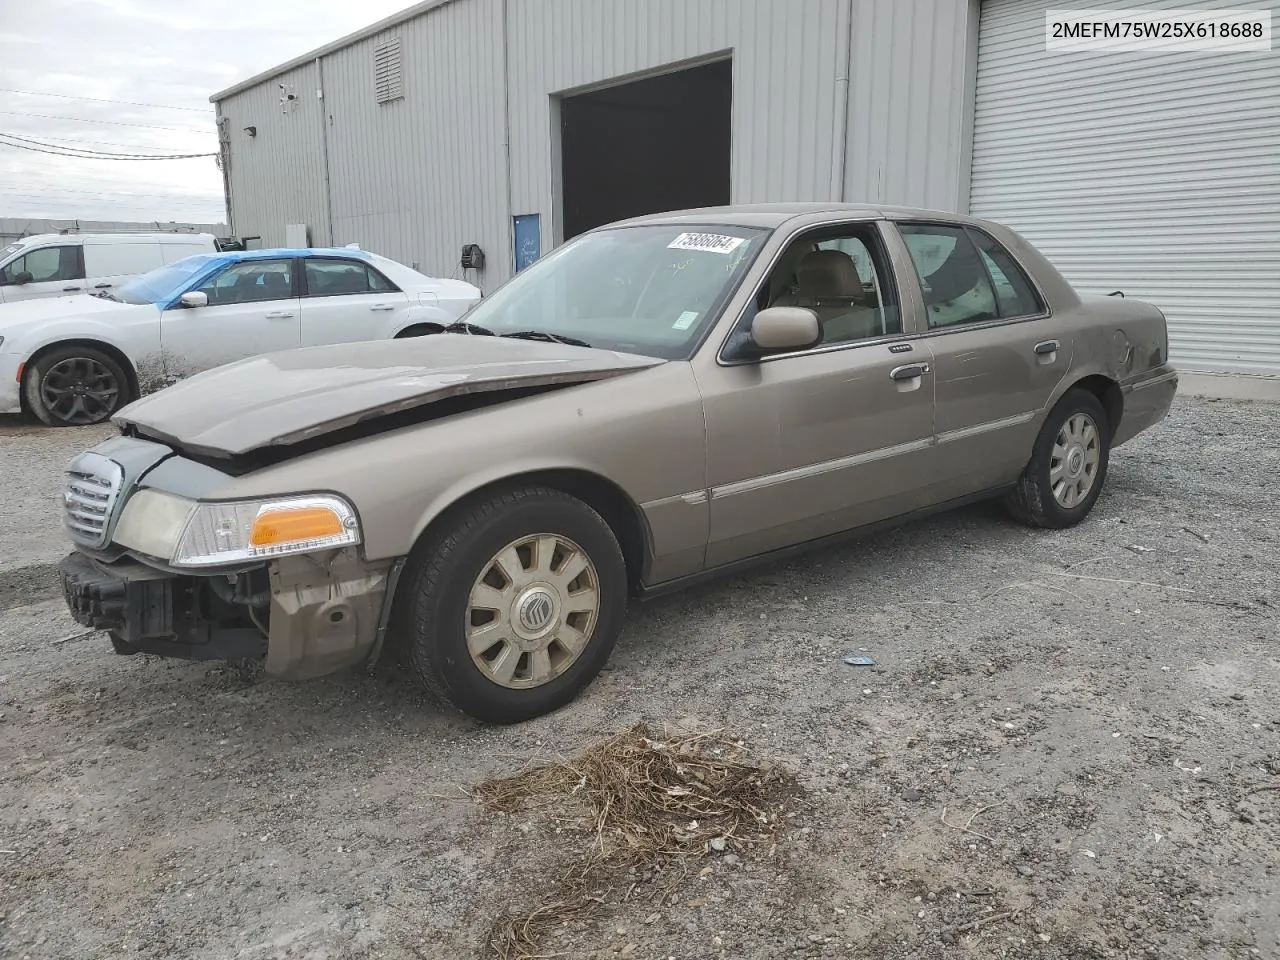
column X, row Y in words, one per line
column 1153, row 173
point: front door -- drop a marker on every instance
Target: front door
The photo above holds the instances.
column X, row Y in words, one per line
column 44, row 272
column 345, row 300
column 998, row 354
column 819, row 441
column 253, row 308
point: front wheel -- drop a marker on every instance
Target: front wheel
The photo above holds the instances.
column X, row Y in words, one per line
column 75, row 386
column 1068, row 465
column 514, row 607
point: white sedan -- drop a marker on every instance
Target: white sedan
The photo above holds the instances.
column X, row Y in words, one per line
column 76, row 360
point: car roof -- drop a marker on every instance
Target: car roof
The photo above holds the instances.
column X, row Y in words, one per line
column 274, row 252
column 776, row 214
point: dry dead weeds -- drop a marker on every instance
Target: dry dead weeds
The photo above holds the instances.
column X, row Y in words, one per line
column 646, row 803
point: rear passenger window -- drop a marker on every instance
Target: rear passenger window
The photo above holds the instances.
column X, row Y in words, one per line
column 336, row 278
column 1015, row 294
column 956, row 286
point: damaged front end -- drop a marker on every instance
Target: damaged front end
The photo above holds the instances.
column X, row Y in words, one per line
column 167, row 572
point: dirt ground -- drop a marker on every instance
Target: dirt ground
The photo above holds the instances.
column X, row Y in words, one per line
column 1094, row 711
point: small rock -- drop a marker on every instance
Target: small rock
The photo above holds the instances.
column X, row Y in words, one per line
column 1026, row 871
column 731, row 859
column 628, row 949
column 911, row 793
column 717, row 844
column 1237, row 696
column 653, row 918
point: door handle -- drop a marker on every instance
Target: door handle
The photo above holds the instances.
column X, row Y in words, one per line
column 279, row 315
column 101, row 286
column 909, row 371
column 1045, row 347
column 70, row 289
column 382, row 306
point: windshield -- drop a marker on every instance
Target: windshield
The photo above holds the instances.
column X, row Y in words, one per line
column 164, row 283
column 650, row 290
column 9, row 251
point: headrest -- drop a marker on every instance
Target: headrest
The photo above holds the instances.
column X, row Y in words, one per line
column 829, row 273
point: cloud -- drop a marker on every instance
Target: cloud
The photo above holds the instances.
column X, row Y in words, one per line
column 64, row 58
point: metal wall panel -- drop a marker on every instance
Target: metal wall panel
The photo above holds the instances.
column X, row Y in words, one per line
column 277, row 176
column 416, row 178
column 785, row 67
column 856, row 97
column 910, row 102
column 1154, row 173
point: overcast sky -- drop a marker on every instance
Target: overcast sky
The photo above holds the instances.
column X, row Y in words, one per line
column 171, row 54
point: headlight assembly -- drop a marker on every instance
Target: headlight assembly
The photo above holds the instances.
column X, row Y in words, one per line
column 192, row 534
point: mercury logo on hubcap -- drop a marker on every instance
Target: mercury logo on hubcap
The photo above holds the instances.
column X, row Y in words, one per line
column 535, row 610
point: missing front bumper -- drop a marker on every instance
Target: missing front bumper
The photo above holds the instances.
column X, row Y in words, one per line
column 323, row 613
column 148, row 611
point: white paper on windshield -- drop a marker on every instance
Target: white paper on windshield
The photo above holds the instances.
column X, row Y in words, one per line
column 710, row 242
column 686, row 320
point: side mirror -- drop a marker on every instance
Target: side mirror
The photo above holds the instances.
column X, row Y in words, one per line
column 785, row 328
column 23, row 277
column 194, row 298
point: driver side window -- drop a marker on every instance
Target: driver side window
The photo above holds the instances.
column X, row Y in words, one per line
column 840, row 274
column 47, row 265
column 251, row 281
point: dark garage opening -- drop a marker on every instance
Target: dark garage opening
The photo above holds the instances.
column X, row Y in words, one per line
column 646, row 146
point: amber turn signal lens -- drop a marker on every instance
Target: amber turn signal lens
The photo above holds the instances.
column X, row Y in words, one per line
column 289, row 526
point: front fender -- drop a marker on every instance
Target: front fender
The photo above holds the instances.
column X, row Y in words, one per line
column 507, row 472
column 135, row 340
column 420, row 315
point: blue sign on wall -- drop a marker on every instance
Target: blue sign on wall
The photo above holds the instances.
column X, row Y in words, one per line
column 527, row 239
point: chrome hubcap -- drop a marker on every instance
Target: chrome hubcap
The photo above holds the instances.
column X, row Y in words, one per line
column 1073, row 464
column 532, row 610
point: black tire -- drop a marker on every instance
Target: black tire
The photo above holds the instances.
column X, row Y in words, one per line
column 75, row 386
column 1033, row 501
column 431, row 615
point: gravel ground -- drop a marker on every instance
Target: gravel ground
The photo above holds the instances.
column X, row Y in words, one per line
column 1093, row 710
column 31, row 463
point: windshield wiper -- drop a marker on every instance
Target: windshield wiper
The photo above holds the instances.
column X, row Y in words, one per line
column 548, row 337
column 461, row 326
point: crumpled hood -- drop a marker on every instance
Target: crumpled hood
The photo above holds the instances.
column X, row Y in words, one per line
column 284, row 398
column 43, row 309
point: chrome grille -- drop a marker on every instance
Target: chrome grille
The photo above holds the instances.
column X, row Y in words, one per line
column 92, row 486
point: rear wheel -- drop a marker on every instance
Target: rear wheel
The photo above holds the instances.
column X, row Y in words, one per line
column 1068, row 465
column 512, row 609
column 75, row 386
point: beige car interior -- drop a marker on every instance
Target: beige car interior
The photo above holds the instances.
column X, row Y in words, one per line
column 827, row 282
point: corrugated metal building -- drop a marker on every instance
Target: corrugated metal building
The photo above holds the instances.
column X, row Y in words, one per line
column 514, row 124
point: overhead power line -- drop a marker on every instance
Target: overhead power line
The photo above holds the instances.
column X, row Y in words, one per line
column 75, row 142
column 35, row 146
column 113, row 123
column 128, row 103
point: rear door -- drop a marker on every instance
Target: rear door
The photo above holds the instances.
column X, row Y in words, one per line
column 998, row 352
column 109, row 264
column 348, row 299
column 56, row 271
column 252, row 309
